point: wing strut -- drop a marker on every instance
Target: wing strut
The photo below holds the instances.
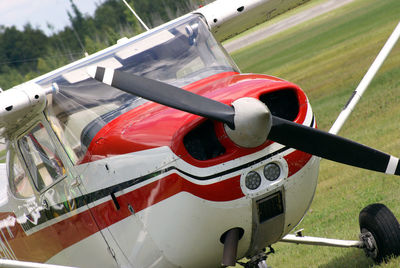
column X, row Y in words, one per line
column 136, row 15
column 362, row 87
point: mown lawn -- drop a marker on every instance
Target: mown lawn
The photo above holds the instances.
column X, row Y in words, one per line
column 3, row 156
column 327, row 57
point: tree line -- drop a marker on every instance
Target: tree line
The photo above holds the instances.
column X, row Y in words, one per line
column 28, row 53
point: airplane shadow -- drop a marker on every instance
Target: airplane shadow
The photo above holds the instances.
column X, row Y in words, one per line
column 353, row 258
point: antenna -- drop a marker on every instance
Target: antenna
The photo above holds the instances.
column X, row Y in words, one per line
column 136, row 15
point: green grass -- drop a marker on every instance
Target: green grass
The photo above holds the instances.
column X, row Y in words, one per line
column 289, row 13
column 3, row 156
column 327, row 57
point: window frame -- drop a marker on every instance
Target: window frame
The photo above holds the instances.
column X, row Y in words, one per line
column 13, row 151
column 54, row 142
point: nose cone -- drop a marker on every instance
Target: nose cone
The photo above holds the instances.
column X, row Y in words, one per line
column 253, row 122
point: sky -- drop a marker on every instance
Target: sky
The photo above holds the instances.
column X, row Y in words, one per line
column 39, row 12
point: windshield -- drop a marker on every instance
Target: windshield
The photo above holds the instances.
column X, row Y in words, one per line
column 179, row 54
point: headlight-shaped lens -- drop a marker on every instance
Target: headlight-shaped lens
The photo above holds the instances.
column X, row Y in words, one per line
column 253, row 180
column 272, row 171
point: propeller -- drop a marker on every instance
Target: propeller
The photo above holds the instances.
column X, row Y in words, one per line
column 250, row 123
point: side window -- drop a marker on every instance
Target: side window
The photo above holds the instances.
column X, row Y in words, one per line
column 19, row 181
column 40, row 156
column 68, row 126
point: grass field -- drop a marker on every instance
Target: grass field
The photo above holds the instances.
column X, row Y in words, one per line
column 3, row 156
column 327, row 57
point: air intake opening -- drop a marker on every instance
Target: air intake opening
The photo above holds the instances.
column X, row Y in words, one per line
column 202, row 142
column 282, row 103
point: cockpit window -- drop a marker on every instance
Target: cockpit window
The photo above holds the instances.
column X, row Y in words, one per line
column 180, row 53
column 44, row 164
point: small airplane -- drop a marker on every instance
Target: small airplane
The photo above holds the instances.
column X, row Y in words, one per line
column 158, row 152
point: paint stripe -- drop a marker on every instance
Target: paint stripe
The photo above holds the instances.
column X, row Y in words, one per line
column 108, row 76
column 106, row 214
column 98, row 74
column 392, row 165
column 105, row 192
column 351, row 98
column 296, row 161
column 299, row 158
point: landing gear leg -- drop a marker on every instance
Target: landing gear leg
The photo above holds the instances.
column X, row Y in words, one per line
column 259, row 260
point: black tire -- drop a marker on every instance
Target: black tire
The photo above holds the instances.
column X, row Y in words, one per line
column 385, row 229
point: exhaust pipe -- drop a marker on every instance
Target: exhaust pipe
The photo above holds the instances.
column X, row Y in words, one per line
column 230, row 239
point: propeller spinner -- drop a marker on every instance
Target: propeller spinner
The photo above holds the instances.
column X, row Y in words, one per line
column 249, row 122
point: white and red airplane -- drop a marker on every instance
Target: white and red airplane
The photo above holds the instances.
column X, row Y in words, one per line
column 158, row 152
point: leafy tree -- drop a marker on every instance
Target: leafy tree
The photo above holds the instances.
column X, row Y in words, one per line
column 147, row 9
column 21, row 49
column 34, row 44
column 111, row 14
column 79, row 23
column 10, row 77
column 93, row 45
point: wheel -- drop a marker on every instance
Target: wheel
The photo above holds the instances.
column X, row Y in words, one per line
column 380, row 232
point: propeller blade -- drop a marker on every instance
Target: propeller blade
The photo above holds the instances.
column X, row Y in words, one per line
column 332, row 147
column 297, row 136
column 165, row 94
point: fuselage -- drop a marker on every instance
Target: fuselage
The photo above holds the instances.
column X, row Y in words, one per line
column 101, row 178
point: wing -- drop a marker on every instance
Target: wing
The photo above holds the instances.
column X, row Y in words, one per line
column 21, row 104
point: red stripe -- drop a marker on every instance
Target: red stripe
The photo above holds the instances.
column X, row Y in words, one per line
column 296, row 161
column 159, row 190
column 43, row 244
